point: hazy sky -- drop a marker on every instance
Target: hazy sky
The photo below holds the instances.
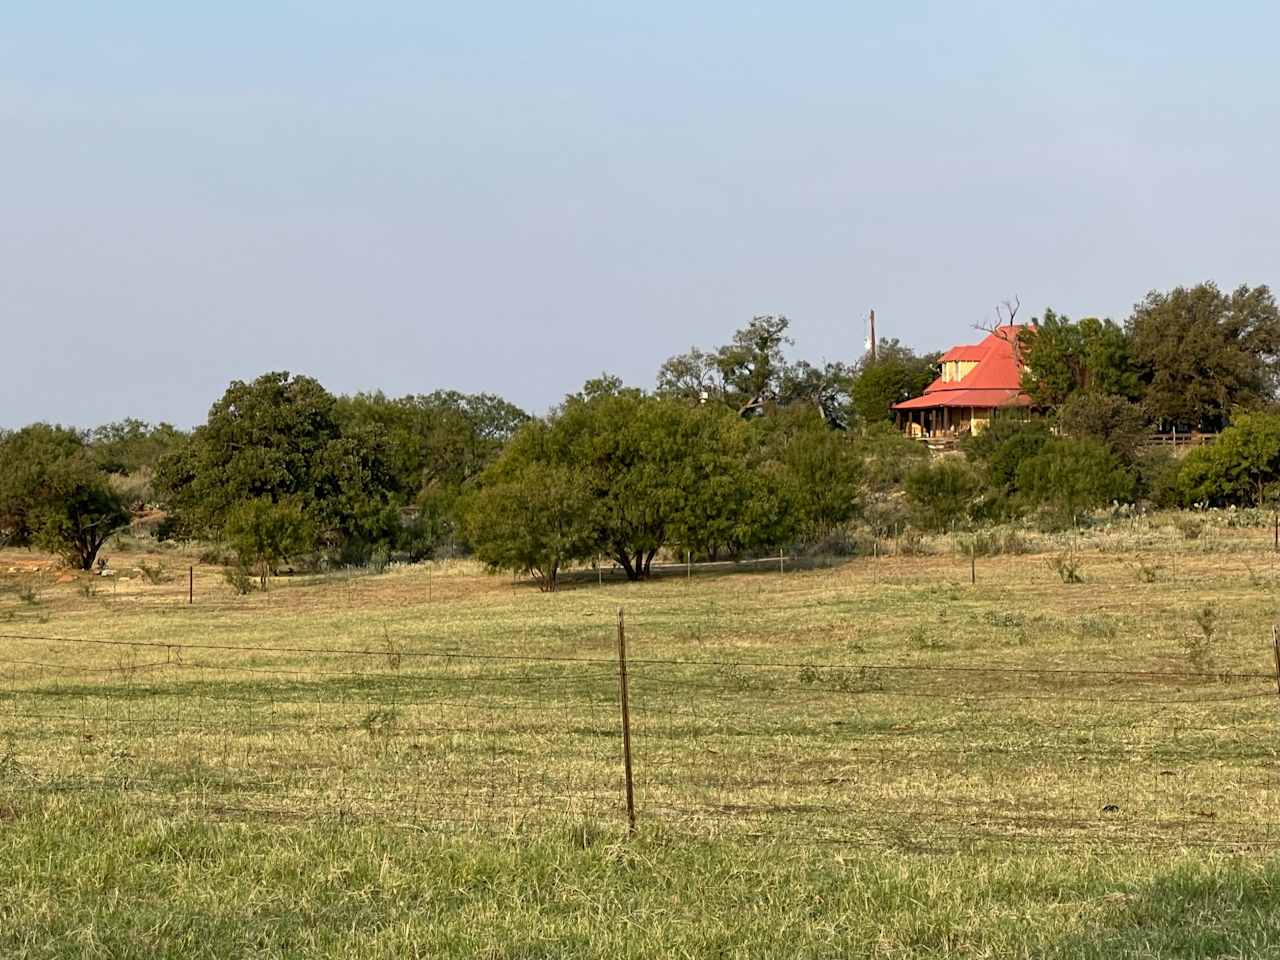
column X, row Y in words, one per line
column 516, row 196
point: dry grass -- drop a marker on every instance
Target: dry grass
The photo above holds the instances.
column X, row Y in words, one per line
column 882, row 708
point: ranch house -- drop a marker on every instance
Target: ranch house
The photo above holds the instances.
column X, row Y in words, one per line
column 976, row 381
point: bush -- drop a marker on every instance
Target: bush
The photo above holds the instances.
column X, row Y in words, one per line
column 379, row 557
column 1199, row 645
column 1068, row 567
column 1116, row 423
column 1190, row 527
column 1069, row 477
column 888, row 456
column 1156, row 475
column 990, row 543
column 265, row 534
column 239, row 578
column 1003, row 446
column 942, row 494
column 911, row 543
column 1238, row 469
column 153, row 574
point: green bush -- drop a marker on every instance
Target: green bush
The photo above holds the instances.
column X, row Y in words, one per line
column 1070, row 477
column 1239, row 469
column 942, row 494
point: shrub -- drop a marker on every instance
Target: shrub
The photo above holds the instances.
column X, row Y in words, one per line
column 379, row 557
column 239, row 578
column 265, row 534
column 1069, row 477
column 1148, row 572
column 1068, row 567
column 1189, row 527
column 1003, row 446
column 154, row 574
column 941, row 494
column 911, row 543
column 1116, row 423
column 1199, row 645
column 1238, row 468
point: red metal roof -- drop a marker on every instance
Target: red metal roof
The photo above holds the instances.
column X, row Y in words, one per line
column 971, row 351
column 996, row 381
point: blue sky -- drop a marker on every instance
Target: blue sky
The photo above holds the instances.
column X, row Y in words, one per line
column 515, row 197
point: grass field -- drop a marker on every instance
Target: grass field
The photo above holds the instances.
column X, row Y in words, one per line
column 869, row 758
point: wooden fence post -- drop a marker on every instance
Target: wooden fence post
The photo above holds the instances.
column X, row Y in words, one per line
column 626, row 724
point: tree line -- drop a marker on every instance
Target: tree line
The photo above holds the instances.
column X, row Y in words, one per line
column 735, row 450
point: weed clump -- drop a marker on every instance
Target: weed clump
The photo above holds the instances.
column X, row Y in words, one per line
column 1068, row 567
column 239, row 579
column 154, row 574
column 1198, row 646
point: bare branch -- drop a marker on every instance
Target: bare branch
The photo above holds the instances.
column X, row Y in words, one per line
column 1005, row 313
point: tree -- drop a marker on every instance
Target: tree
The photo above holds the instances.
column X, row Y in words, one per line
column 536, row 518
column 131, row 446
column 824, row 469
column 825, row 390
column 53, row 495
column 887, row 457
column 647, row 473
column 265, row 534
column 895, row 375
column 1062, row 358
column 279, row 439
column 261, row 440
column 1201, row 353
column 1069, row 477
column 745, row 374
column 433, row 447
column 1117, row 423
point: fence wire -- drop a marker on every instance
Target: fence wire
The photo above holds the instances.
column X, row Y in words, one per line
column 917, row 757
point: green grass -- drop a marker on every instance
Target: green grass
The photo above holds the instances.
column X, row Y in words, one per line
column 867, row 759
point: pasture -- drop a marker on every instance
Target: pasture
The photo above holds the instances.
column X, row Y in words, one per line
column 870, row 757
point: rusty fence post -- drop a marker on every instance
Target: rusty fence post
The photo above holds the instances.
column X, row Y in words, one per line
column 626, row 724
column 1275, row 646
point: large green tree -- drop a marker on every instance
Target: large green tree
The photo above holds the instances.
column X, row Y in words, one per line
column 1202, row 352
column 1119, row 424
column 1062, row 358
column 278, row 439
column 433, row 446
column 130, row 446
column 54, row 495
column 647, row 473
column 896, row 374
column 746, row 374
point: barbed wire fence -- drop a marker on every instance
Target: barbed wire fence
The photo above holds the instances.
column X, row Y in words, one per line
column 919, row 756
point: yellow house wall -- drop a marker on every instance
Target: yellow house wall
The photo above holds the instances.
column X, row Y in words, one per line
column 954, row 370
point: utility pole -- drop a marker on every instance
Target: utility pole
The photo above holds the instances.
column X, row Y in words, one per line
column 873, row 336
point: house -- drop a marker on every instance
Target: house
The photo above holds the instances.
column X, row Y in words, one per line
column 976, row 381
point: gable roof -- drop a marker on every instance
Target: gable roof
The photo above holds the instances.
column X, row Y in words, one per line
column 996, row 380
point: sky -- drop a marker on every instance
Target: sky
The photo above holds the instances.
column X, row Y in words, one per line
column 515, row 197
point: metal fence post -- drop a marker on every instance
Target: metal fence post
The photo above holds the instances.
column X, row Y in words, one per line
column 1275, row 644
column 626, row 724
